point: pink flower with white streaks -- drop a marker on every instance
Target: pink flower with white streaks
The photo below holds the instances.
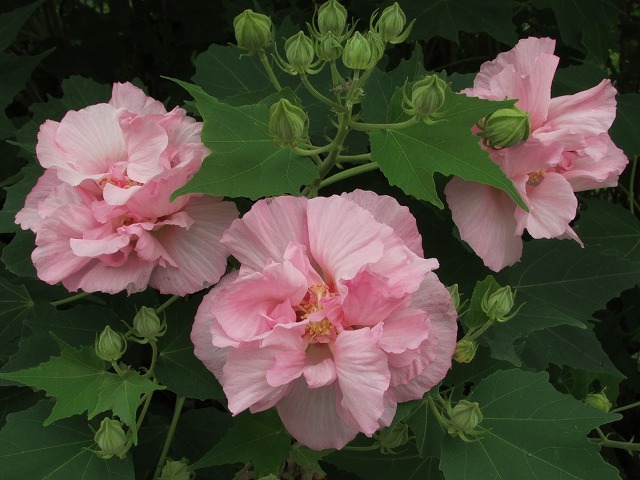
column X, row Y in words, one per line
column 333, row 318
column 568, row 150
column 105, row 232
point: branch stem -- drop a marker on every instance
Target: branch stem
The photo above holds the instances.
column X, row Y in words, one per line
column 367, row 127
column 267, row 67
column 351, row 172
column 167, row 442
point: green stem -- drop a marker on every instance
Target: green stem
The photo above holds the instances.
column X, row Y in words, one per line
column 625, row 407
column 70, row 299
column 361, row 449
column 166, row 304
column 603, row 441
column 167, row 442
column 267, row 67
column 145, row 407
column 444, row 423
column 336, row 78
column 634, row 164
column 315, row 151
column 473, row 334
column 352, row 172
column 154, row 357
column 117, row 369
column 336, row 106
column 365, row 157
column 367, row 127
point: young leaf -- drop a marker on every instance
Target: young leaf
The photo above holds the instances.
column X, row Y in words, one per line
column 245, row 161
column 259, row 438
column 409, row 157
column 58, row 452
column 532, row 431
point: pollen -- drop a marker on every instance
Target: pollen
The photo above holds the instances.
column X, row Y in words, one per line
column 535, row 178
column 320, row 332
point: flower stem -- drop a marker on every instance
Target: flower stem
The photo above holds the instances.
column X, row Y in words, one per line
column 361, row 449
column 70, row 299
column 166, row 304
column 315, row 151
column 352, row 172
column 365, row 157
column 634, row 164
column 473, row 334
column 625, row 407
column 336, row 106
column 167, row 442
column 603, row 441
column 367, row 127
column 267, row 67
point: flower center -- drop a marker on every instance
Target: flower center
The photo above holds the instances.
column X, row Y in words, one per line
column 320, row 332
column 117, row 177
column 535, row 178
column 316, row 331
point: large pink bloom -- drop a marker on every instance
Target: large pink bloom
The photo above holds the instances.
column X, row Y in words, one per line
column 568, row 151
column 334, row 316
column 101, row 211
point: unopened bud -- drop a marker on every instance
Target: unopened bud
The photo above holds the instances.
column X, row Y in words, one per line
column 465, row 350
column 377, row 47
column 110, row 345
column 176, row 470
column 148, row 325
column 332, row 17
column 428, row 95
column 598, row 401
column 299, row 51
column 504, row 128
column 498, row 305
column 111, row 439
column 254, row 31
column 357, row 53
column 455, row 295
column 390, row 24
column 465, row 416
column 328, row 47
column 287, row 123
column 391, row 438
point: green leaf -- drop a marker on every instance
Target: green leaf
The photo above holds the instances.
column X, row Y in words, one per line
column 611, row 228
column 245, row 161
column 14, row 399
column 409, row 157
column 624, row 131
column 574, row 15
column 58, row 452
column 11, row 22
column 307, row 458
column 427, row 430
column 259, row 438
column 16, row 195
column 177, row 367
column 446, row 18
column 576, row 78
column 17, row 255
column 598, row 41
column 474, row 316
column 559, row 284
column 15, row 306
column 532, row 432
column 122, row 395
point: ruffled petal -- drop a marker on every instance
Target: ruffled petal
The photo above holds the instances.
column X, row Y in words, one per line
column 134, row 100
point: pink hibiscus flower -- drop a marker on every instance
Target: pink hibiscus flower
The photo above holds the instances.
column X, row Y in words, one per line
column 567, row 151
column 334, row 316
column 101, row 211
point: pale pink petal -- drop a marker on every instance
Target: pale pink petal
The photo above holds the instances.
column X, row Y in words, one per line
column 321, row 369
column 290, row 359
column 199, row 257
column 519, row 161
column 597, row 166
column 485, row 217
column 405, row 330
column 145, row 141
column 264, row 232
column 363, row 375
column 115, row 195
column 134, row 100
column 309, row 415
column 552, row 205
column 96, row 247
column 132, row 275
column 387, row 210
column 343, row 237
column 586, row 113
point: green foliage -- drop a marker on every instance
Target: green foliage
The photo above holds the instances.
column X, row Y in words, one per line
column 625, row 128
column 307, row 458
column 246, row 161
column 409, row 157
column 532, row 431
column 58, row 452
column 259, row 438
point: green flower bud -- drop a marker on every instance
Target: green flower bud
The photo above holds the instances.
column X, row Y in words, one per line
column 391, row 23
column 598, row 401
column 499, row 304
column 287, row 123
column 176, row 470
column 391, row 438
column 148, row 325
column 465, row 350
column 377, row 47
column 111, row 439
column 428, row 95
column 455, row 295
column 299, row 51
column 253, row 31
column 465, row 416
column 110, row 345
column 328, row 47
column 332, row 17
column 357, row 53
column 504, row 128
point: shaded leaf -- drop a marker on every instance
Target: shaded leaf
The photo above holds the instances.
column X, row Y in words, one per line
column 624, row 131
column 11, row 22
column 307, row 458
column 532, row 432
column 427, row 431
column 17, row 255
column 16, row 195
column 16, row 305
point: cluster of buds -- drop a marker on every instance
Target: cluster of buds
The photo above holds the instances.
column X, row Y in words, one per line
column 427, row 97
column 111, row 439
column 498, row 304
column 147, row 326
column 504, row 128
column 288, row 124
